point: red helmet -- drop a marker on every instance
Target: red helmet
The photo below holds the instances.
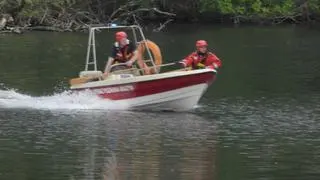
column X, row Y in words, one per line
column 201, row 43
column 120, row 35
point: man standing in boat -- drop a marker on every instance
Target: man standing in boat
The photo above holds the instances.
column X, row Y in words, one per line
column 201, row 58
column 123, row 51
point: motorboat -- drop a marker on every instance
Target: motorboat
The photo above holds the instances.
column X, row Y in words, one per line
column 137, row 88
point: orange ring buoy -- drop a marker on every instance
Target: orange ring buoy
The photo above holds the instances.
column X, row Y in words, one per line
column 154, row 50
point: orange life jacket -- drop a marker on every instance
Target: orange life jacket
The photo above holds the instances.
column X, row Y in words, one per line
column 122, row 53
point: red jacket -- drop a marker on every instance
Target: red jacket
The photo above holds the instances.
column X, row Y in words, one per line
column 196, row 60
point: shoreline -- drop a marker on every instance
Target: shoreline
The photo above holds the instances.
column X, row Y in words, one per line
column 159, row 24
column 159, row 28
column 74, row 16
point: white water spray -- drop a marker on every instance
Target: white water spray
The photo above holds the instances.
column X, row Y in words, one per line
column 60, row 101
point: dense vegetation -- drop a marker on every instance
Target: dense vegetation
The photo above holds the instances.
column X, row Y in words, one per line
column 76, row 14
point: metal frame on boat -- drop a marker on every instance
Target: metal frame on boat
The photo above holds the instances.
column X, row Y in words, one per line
column 92, row 43
column 175, row 90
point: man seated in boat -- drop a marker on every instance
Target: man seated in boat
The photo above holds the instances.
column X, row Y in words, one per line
column 123, row 51
column 201, row 58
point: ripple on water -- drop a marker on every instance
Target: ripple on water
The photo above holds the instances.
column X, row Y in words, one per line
column 262, row 138
column 271, row 136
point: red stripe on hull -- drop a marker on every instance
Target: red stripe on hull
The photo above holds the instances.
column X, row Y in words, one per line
column 144, row 88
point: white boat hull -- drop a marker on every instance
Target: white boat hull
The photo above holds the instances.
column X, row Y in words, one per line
column 182, row 99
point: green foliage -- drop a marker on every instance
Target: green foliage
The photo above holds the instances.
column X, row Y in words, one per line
column 249, row 7
column 49, row 11
column 10, row 5
column 314, row 5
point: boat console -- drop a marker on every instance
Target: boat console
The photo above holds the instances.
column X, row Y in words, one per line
column 90, row 74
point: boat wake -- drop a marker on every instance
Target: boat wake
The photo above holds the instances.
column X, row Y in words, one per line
column 59, row 101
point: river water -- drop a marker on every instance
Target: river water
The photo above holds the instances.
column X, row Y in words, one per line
column 259, row 120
